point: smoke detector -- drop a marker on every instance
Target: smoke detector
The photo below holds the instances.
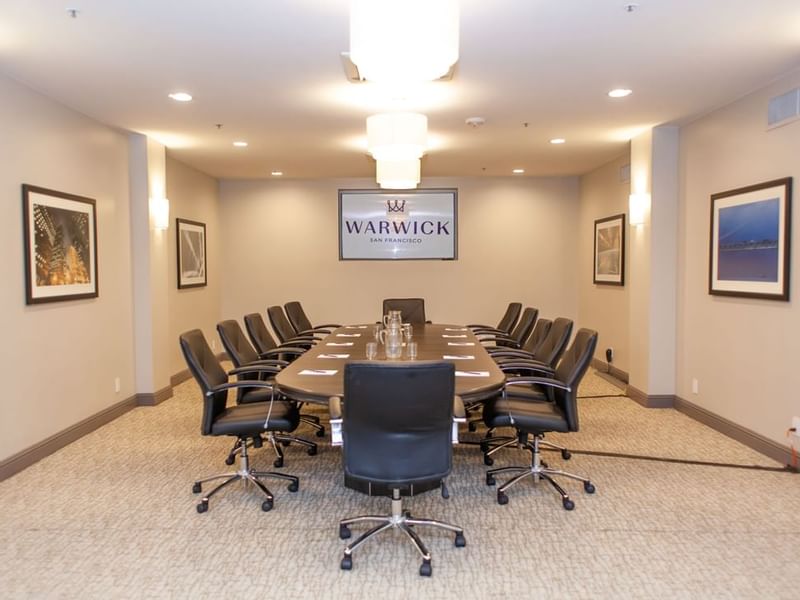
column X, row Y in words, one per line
column 475, row 122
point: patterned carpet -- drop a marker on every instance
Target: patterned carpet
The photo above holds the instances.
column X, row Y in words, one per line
column 112, row 516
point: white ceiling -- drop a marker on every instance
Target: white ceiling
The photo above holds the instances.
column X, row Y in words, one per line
column 269, row 71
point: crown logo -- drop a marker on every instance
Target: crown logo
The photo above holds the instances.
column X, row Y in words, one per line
column 397, row 206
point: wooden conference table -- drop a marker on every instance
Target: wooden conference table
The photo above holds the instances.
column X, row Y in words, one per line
column 304, row 378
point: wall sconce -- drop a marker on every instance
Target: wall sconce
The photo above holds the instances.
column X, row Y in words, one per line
column 159, row 208
column 638, row 205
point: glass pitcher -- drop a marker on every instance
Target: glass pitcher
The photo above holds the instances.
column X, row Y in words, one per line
column 393, row 316
column 392, row 340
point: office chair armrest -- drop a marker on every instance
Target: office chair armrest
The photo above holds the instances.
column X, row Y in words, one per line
column 544, row 381
column 484, row 330
column 312, row 331
column 459, row 412
column 503, row 339
column 281, row 350
column 526, row 365
column 328, row 326
column 255, row 368
column 248, row 383
column 335, row 408
column 302, row 342
column 506, row 352
column 275, row 362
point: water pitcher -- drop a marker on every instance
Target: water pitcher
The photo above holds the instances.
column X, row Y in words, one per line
column 392, row 339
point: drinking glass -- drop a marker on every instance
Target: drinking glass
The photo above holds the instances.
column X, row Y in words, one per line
column 376, row 331
column 408, row 331
column 411, row 350
column 372, row 350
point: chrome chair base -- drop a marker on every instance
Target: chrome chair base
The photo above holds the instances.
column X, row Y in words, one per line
column 246, row 474
column 538, row 470
column 399, row 519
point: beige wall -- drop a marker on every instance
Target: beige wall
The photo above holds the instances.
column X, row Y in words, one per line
column 743, row 352
column 60, row 359
column 192, row 195
column 603, row 307
column 516, row 242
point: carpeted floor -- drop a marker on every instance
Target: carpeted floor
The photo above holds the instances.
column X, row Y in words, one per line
column 112, row 516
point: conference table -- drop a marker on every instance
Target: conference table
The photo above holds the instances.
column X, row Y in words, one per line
column 318, row 374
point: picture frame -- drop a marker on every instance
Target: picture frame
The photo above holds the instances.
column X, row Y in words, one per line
column 192, row 255
column 749, row 241
column 60, row 234
column 609, row 250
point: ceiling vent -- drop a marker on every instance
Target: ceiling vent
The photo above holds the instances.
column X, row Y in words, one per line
column 783, row 109
column 353, row 76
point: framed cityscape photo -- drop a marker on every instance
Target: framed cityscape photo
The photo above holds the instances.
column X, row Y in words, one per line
column 749, row 241
column 191, row 237
column 60, row 232
column 609, row 250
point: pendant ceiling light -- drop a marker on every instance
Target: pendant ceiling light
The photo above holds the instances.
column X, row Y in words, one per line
column 403, row 41
column 396, row 136
column 403, row 174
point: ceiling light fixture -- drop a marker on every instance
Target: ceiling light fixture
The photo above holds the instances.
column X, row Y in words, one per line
column 401, row 41
column 619, row 93
column 181, row 96
column 396, row 136
column 401, row 174
column 558, row 141
column 240, row 144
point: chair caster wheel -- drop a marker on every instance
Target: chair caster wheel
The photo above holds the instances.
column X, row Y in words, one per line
column 230, row 460
column 425, row 568
column 267, row 505
column 197, row 488
column 502, row 498
column 407, row 514
column 312, row 450
column 588, row 487
column 484, row 447
column 347, row 563
column 277, row 463
column 568, row 504
column 472, row 427
column 320, row 433
column 202, row 507
column 490, row 480
column 461, row 541
column 344, row 533
column 488, row 460
column 566, row 454
column 293, row 486
column 285, row 443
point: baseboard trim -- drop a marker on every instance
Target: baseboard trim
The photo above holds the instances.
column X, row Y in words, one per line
column 650, row 400
column 609, row 369
column 748, row 437
column 180, row 377
column 21, row 460
column 156, row 398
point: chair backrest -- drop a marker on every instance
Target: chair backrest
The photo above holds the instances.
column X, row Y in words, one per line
column 259, row 334
column 297, row 316
column 510, row 318
column 525, row 325
column 240, row 351
column 555, row 342
column 412, row 309
column 280, row 324
column 571, row 370
column 537, row 336
column 397, row 420
column 208, row 373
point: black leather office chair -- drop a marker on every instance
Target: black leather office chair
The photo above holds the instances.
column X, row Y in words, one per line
column 412, row 310
column 534, row 419
column 518, row 335
column 397, row 426
column 506, row 324
column 242, row 354
column 265, row 344
column 285, row 331
column 300, row 321
column 243, row 421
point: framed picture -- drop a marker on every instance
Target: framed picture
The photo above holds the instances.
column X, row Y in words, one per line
column 609, row 250
column 191, row 237
column 398, row 225
column 60, row 245
column 750, row 231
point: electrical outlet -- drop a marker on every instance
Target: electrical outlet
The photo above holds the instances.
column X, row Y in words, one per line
column 117, row 385
column 695, row 386
column 796, row 426
column 609, row 355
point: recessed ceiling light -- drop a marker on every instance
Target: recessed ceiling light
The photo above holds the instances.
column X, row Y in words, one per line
column 620, row 93
column 277, row 173
column 558, row 141
column 181, row 96
column 240, row 144
column 518, row 171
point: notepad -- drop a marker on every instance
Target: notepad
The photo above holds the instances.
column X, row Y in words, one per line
column 455, row 329
column 472, row 373
column 318, row 372
column 444, row 335
column 339, row 344
column 460, row 343
column 355, row 326
column 333, row 356
column 348, row 335
column 458, row 357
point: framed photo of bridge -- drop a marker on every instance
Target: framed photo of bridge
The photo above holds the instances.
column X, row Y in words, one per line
column 749, row 241
column 609, row 250
column 398, row 225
